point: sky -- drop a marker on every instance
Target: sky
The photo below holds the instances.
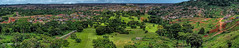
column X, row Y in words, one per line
column 85, row 1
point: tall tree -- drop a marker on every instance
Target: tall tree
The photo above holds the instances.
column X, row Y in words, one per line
column 201, row 31
column 195, row 40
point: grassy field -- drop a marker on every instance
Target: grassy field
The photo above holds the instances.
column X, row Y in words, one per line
column 120, row 40
column 151, row 27
column 87, row 35
column 127, row 19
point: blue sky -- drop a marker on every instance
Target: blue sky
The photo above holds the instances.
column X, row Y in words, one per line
column 86, row 1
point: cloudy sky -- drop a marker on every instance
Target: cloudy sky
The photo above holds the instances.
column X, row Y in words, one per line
column 86, row 1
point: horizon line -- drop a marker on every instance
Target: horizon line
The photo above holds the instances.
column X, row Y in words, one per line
column 79, row 3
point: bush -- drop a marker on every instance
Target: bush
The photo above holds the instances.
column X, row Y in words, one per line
column 201, row 31
column 129, row 46
column 100, row 30
column 103, row 43
column 142, row 27
column 134, row 26
column 124, row 32
column 146, row 31
column 78, row 40
column 79, row 29
column 73, row 36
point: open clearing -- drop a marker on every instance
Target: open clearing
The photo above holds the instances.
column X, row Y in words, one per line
column 86, row 36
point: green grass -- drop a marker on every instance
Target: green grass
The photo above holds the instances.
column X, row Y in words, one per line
column 127, row 19
column 221, row 40
column 120, row 40
column 86, row 36
column 149, row 27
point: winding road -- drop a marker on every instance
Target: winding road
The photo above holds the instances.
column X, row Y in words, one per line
column 221, row 27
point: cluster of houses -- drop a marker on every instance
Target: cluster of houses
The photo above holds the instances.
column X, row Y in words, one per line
column 48, row 18
column 229, row 19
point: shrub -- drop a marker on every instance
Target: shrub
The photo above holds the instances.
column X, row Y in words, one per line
column 73, row 36
column 134, row 26
column 78, row 40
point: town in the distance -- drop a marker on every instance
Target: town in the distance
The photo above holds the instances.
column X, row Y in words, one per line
column 188, row 24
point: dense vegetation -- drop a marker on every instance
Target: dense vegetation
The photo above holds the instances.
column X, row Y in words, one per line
column 29, row 12
column 190, row 24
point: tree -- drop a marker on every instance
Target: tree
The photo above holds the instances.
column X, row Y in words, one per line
column 195, row 40
column 100, row 30
column 187, row 28
column 142, row 26
column 103, row 43
column 58, row 43
column 73, row 36
column 201, row 31
column 78, row 40
column 133, row 26
column 85, row 24
column 130, row 46
column 54, row 31
column 162, row 32
column 172, row 30
column 234, row 43
column 32, row 43
column 65, row 43
column 18, row 37
column 146, row 31
column 79, row 28
column 39, row 30
column 0, row 28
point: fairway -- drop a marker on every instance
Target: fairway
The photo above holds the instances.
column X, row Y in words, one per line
column 120, row 40
column 151, row 27
column 87, row 35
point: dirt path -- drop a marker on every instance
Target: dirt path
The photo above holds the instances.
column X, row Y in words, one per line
column 220, row 27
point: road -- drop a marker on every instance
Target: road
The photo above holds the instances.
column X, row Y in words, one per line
column 65, row 36
column 221, row 27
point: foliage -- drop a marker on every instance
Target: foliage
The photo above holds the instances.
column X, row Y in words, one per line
column 201, row 31
column 133, row 26
column 234, row 43
column 103, row 30
column 153, row 42
column 57, row 43
column 73, row 36
column 129, row 46
column 51, row 28
column 195, row 40
column 79, row 29
column 78, row 40
column 103, row 43
column 32, row 43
